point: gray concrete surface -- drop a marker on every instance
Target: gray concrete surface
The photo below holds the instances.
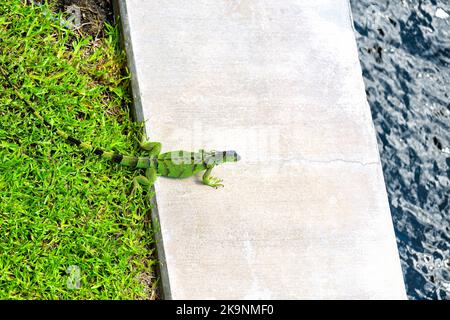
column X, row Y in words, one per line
column 305, row 214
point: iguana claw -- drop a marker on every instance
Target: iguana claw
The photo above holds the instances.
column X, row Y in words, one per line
column 213, row 182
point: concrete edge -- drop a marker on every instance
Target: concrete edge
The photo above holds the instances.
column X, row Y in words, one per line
column 120, row 11
column 352, row 24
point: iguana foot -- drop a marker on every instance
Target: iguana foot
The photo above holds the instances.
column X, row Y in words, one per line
column 146, row 181
column 213, row 182
column 153, row 148
column 138, row 182
column 210, row 180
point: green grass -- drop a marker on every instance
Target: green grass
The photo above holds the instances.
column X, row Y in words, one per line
column 59, row 206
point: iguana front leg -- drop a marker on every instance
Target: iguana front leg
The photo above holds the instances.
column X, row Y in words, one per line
column 210, row 180
column 148, row 181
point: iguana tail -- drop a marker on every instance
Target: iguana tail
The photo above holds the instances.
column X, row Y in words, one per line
column 129, row 161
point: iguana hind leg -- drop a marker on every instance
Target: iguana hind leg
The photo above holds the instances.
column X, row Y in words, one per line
column 146, row 181
column 153, row 148
column 210, row 180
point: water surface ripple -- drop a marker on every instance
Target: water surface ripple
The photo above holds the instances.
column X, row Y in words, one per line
column 404, row 49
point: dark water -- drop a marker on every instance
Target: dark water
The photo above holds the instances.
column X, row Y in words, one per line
column 404, row 48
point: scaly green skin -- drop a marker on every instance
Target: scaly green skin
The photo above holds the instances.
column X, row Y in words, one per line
column 175, row 164
column 179, row 164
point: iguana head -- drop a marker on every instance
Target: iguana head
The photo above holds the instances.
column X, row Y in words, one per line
column 218, row 157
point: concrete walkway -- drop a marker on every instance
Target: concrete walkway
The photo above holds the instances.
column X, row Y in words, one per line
column 305, row 213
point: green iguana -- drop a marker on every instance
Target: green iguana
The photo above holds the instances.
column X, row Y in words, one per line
column 175, row 164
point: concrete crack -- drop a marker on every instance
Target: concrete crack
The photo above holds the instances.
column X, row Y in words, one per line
column 333, row 160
